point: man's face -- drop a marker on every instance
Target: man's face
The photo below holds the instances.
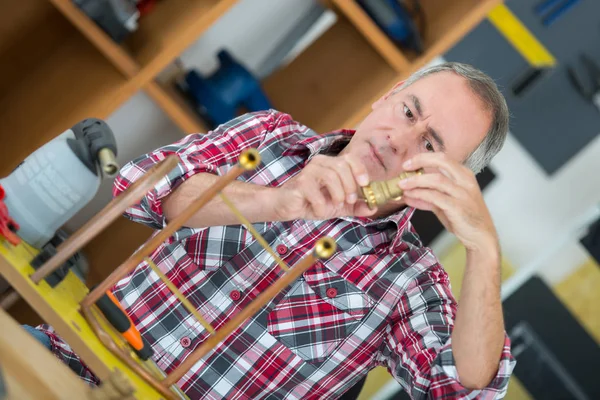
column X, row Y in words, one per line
column 437, row 113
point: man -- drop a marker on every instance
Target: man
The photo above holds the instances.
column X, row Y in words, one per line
column 381, row 299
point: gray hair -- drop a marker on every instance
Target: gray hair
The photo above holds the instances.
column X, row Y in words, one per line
column 486, row 89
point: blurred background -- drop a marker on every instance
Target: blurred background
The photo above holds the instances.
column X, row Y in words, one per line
column 156, row 70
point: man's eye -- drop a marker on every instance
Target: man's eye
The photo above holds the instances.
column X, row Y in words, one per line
column 429, row 146
column 408, row 112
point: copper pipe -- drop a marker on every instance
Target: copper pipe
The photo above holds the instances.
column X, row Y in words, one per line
column 9, row 299
column 100, row 221
column 123, row 356
column 163, row 235
column 324, row 249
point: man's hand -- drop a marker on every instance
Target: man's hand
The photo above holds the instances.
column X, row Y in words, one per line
column 326, row 188
column 451, row 192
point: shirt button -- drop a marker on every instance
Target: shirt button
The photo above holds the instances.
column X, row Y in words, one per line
column 282, row 249
column 235, row 295
column 185, row 342
column 331, row 293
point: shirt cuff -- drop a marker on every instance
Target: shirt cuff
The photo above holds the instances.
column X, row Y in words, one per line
column 150, row 208
column 445, row 366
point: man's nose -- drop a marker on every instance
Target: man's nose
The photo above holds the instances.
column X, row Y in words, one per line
column 403, row 139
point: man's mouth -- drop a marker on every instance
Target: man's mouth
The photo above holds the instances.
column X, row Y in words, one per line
column 377, row 156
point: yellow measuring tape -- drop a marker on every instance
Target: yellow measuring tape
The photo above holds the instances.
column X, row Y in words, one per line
column 520, row 37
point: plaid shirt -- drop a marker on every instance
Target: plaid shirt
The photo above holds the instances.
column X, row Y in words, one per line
column 382, row 299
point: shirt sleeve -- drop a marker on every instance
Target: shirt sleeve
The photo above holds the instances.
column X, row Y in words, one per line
column 213, row 152
column 418, row 346
column 64, row 353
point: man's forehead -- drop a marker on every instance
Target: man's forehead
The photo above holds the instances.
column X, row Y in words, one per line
column 455, row 110
column 438, row 82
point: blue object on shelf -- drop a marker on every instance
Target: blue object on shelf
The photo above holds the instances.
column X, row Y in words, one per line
column 219, row 97
column 395, row 20
column 551, row 10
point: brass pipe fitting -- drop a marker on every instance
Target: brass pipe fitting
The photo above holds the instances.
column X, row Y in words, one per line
column 377, row 193
column 108, row 162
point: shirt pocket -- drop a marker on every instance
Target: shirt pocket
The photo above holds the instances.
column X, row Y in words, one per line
column 320, row 311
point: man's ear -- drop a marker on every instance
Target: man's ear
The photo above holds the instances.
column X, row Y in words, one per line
column 386, row 96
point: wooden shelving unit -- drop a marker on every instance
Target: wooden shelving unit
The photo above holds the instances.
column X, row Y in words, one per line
column 59, row 67
column 447, row 23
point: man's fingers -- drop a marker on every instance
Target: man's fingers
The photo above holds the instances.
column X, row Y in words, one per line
column 359, row 171
column 439, row 161
column 430, row 200
column 361, row 209
column 435, row 181
column 315, row 198
column 343, row 169
column 434, row 197
column 330, row 179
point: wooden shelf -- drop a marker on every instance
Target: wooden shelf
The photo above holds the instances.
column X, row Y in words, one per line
column 55, row 79
column 332, row 82
column 447, row 23
column 372, row 33
column 161, row 37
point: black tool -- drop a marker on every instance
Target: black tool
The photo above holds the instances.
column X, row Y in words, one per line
column 588, row 87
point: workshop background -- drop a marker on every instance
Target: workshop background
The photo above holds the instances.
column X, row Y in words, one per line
column 158, row 71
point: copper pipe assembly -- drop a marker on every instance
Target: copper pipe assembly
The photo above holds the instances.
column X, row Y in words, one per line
column 377, row 193
column 249, row 159
column 104, row 218
column 324, row 248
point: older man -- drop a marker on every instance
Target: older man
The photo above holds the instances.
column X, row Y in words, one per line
column 382, row 299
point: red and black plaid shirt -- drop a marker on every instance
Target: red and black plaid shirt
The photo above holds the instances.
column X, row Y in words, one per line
column 382, row 299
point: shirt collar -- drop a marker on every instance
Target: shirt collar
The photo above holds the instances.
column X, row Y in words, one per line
column 332, row 143
column 327, row 143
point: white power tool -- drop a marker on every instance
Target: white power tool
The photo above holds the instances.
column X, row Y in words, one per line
column 56, row 181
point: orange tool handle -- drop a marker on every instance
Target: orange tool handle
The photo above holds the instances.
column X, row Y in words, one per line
column 114, row 313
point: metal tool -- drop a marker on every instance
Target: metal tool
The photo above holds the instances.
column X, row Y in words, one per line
column 217, row 98
column 377, row 193
column 115, row 314
column 588, row 87
column 551, row 10
column 118, row 18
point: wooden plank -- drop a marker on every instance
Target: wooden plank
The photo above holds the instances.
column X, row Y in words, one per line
column 18, row 17
column 379, row 40
column 31, row 371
